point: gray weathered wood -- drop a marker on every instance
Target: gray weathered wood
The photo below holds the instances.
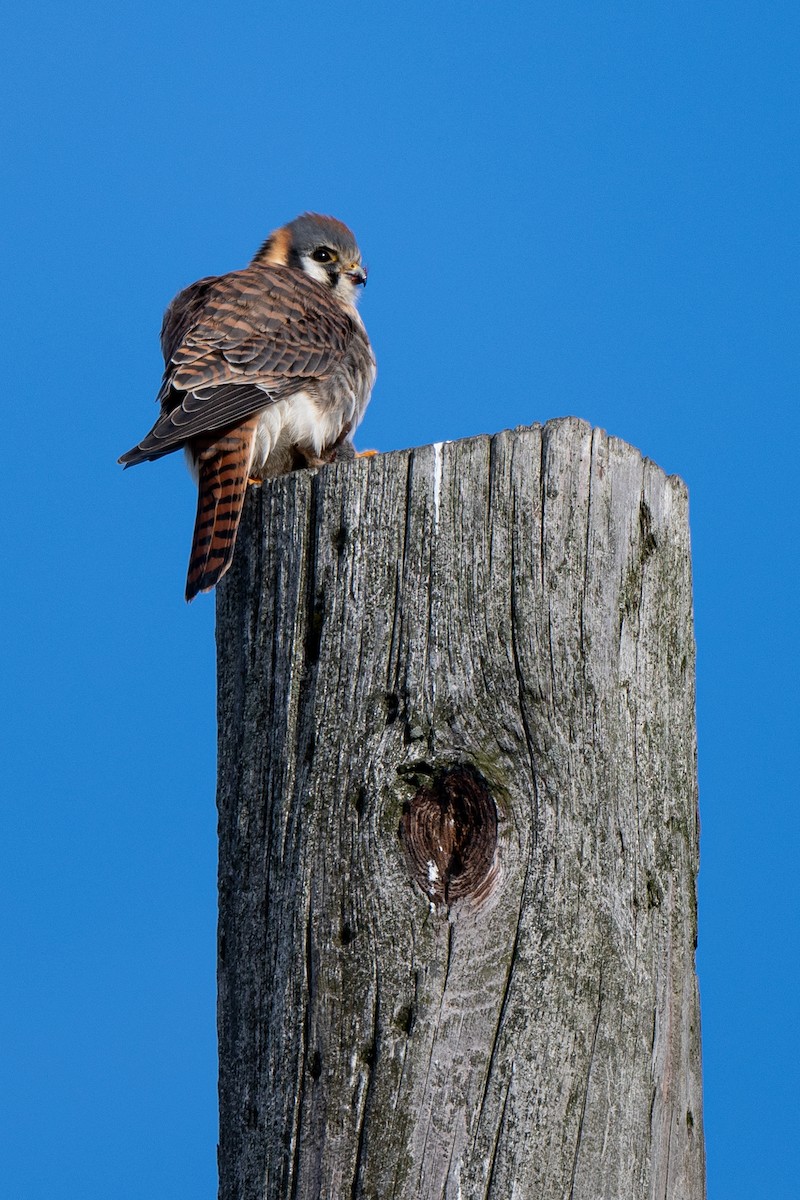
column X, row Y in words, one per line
column 520, row 604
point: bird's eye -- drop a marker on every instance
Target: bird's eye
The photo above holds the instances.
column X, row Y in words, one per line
column 323, row 254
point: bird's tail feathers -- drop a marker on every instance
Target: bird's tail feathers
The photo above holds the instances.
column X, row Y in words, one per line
column 223, row 463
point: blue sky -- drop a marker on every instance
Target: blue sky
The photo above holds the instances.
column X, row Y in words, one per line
column 573, row 208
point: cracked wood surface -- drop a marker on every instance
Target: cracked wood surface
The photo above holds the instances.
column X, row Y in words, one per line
column 521, row 605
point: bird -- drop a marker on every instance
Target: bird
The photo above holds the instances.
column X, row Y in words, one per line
column 267, row 369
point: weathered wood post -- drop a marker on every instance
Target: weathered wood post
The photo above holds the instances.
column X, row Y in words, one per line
column 458, row 829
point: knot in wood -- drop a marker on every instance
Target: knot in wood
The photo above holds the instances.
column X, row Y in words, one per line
column 449, row 830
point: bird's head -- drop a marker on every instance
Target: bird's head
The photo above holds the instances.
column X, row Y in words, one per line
column 322, row 247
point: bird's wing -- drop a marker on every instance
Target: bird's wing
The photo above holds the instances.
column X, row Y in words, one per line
column 235, row 343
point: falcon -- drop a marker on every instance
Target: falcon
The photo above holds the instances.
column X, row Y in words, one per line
column 267, row 370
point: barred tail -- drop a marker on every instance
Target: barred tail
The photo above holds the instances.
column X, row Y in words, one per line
column 223, row 464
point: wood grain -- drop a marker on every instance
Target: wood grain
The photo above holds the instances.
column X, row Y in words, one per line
column 517, row 606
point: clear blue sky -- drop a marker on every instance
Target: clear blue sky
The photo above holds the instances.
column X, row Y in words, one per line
column 567, row 208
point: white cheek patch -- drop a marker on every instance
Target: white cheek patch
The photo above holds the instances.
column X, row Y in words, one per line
column 346, row 292
column 315, row 270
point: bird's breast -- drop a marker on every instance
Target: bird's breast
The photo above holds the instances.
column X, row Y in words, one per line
column 290, row 424
column 317, row 417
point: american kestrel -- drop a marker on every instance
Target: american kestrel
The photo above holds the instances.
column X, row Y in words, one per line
column 267, row 369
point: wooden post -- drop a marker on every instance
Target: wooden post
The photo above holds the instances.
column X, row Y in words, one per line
column 458, row 829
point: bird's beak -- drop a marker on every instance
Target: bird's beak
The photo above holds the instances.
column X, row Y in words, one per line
column 357, row 274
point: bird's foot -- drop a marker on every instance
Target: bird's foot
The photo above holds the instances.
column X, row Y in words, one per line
column 366, row 453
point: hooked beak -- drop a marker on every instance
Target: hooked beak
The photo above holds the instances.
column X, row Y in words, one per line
column 357, row 275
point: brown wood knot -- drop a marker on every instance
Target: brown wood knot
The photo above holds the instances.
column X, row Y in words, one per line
column 449, row 831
